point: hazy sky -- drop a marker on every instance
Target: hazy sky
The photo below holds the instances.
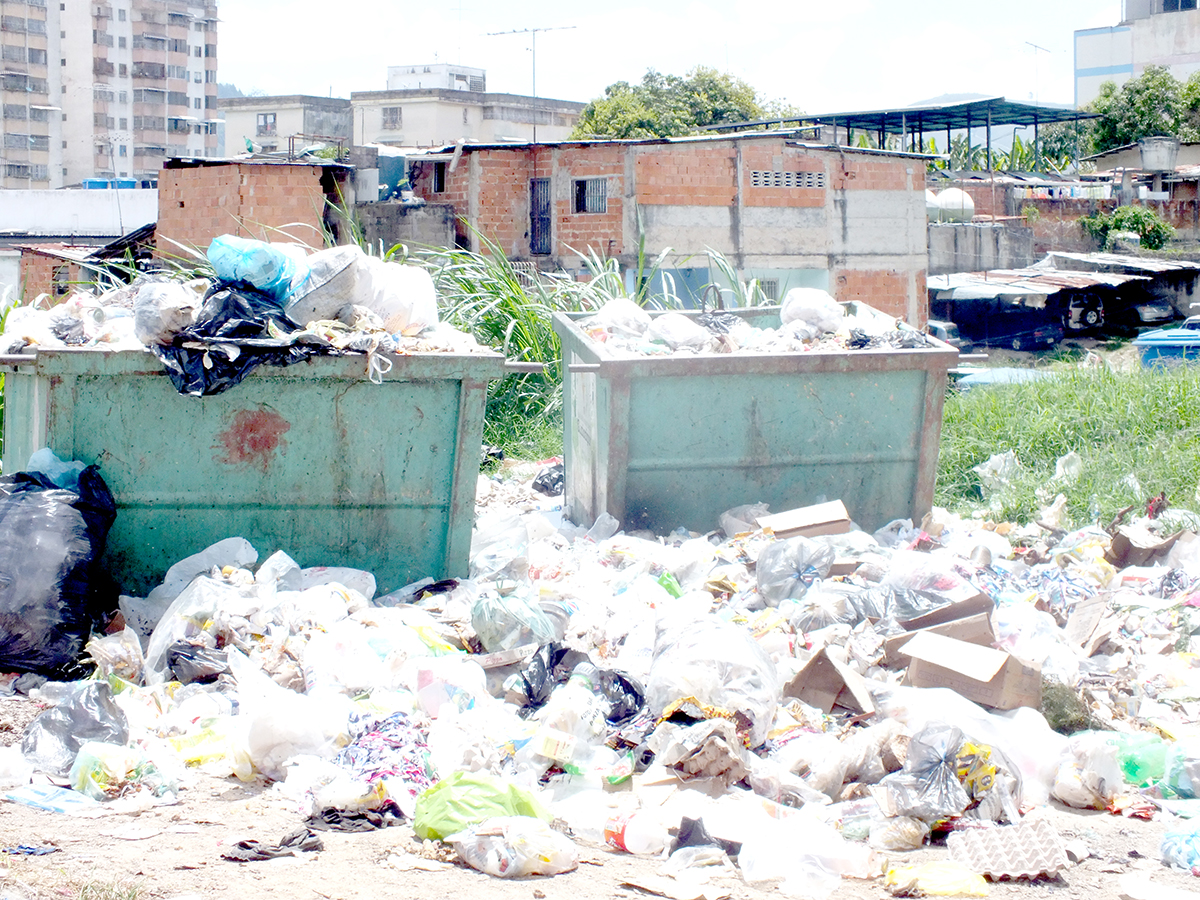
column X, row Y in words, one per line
column 818, row 56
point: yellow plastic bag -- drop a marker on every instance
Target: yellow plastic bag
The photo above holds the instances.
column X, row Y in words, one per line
column 938, row 879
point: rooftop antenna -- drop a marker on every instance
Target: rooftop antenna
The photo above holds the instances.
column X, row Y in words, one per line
column 533, row 32
column 1036, row 48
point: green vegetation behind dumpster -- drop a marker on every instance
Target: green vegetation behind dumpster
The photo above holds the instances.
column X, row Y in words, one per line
column 1138, row 434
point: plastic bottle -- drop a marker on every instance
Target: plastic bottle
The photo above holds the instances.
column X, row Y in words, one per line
column 641, row 833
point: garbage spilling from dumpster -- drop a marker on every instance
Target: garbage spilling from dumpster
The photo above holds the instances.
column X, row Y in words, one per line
column 786, row 706
column 810, row 320
column 267, row 304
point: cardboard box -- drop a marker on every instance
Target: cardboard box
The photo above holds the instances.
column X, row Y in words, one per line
column 825, row 683
column 976, row 629
column 809, row 521
column 967, row 601
column 1136, row 545
column 989, row 677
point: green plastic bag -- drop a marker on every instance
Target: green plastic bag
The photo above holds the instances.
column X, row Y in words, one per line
column 468, row 798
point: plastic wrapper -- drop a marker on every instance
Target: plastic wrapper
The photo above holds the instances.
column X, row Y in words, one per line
column 107, row 771
column 52, row 740
column 506, row 622
column 237, row 330
column 898, row 835
column 788, row 568
column 621, row 315
column 468, row 798
column 1182, row 772
column 718, row 665
column 499, row 547
column 741, row 519
column 50, row 543
column 162, row 310
column 1078, row 787
column 118, row 654
column 514, row 847
column 812, row 306
column 678, row 331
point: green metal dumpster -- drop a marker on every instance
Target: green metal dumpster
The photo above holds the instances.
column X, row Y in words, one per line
column 312, row 459
column 663, row 442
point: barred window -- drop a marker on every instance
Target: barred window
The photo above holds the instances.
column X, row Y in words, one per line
column 591, row 195
column 393, row 118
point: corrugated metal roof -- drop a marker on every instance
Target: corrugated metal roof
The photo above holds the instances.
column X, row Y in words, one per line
column 1114, row 262
column 1031, row 282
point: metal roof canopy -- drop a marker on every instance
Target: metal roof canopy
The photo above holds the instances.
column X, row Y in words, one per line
column 953, row 116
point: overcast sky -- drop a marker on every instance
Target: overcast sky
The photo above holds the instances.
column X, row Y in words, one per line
column 818, row 56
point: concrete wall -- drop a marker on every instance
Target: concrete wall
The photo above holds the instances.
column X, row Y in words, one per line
column 971, row 247
column 268, row 202
column 1121, row 52
column 434, row 118
column 294, row 114
column 431, row 225
column 1101, row 54
column 109, row 213
column 767, row 206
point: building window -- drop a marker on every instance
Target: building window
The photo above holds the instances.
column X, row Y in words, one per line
column 198, row 52
column 439, row 177
column 393, row 118
column 591, row 195
column 13, row 54
column 196, row 103
column 122, row 43
column 122, row 70
column 37, row 57
column 769, row 288
column 466, row 121
column 266, row 124
column 60, row 279
column 787, row 179
column 122, row 150
column 120, row 15
column 124, row 126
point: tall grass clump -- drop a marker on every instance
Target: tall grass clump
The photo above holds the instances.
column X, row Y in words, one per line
column 1138, row 434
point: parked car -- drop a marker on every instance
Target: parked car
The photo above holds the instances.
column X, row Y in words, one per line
column 947, row 333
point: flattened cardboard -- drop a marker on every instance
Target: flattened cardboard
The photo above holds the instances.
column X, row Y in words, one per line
column 970, row 603
column 987, row 676
column 825, row 683
column 809, row 521
column 976, row 629
column 1084, row 618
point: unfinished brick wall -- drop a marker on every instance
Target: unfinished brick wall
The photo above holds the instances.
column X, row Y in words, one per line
column 885, row 290
column 37, row 276
column 686, row 174
column 600, row 232
column 267, row 202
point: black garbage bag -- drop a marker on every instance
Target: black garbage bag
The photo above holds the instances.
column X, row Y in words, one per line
column 50, row 542
column 550, row 480
column 190, row 663
column 237, row 330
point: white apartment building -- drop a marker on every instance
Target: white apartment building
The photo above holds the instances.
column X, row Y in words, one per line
column 436, row 75
column 105, row 89
column 1151, row 32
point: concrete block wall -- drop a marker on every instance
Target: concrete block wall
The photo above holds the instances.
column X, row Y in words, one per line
column 37, row 275
column 267, row 202
column 432, row 225
column 977, row 247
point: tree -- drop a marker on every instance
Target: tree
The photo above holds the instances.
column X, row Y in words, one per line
column 1153, row 103
column 667, row 105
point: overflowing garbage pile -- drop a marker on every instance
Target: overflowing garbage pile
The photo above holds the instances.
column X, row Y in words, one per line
column 268, row 303
column 811, row 320
column 796, row 706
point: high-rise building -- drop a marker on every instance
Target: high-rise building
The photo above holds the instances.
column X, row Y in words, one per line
column 1151, row 32
column 105, row 90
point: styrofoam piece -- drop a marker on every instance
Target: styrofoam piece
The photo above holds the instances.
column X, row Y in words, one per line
column 1025, row 850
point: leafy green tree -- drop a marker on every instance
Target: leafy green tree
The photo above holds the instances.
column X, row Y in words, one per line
column 1152, row 103
column 666, row 105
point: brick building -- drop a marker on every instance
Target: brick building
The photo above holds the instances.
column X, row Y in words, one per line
column 784, row 212
column 263, row 199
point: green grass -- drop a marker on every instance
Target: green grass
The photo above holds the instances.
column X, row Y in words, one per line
column 1139, row 423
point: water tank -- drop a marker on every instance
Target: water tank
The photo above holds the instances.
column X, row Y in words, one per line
column 1159, row 153
column 931, row 206
column 956, row 205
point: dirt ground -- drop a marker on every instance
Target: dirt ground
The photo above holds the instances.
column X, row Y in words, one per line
column 175, row 852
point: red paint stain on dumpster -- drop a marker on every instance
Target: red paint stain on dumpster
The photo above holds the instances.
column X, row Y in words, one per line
column 254, row 438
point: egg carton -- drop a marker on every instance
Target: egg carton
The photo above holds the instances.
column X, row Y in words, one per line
column 1026, row 850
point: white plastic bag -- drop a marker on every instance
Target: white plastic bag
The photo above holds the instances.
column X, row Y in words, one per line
column 814, row 307
column 162, row 310
column 622, row 316
column 515, row 846
column 678, row 331
column 720, row 665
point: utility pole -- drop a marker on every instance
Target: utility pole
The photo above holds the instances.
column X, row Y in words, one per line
column 533, row 33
